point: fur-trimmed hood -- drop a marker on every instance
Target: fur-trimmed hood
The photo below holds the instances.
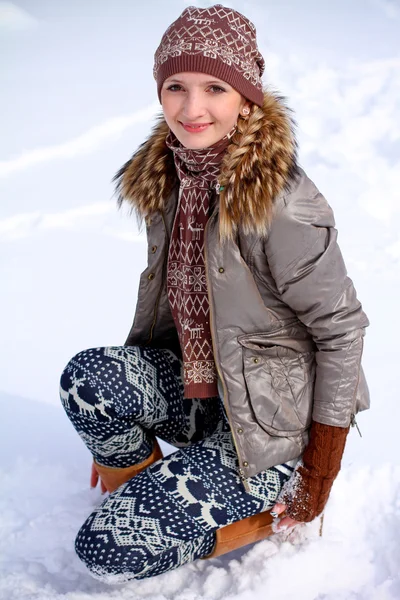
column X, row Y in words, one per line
column 259, row 164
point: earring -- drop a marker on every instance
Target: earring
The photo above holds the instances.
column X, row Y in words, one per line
column 246, row 111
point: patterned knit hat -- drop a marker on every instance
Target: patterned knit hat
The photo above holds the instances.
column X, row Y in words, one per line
column 218, row 41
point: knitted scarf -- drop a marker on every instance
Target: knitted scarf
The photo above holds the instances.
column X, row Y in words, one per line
column 198, row 172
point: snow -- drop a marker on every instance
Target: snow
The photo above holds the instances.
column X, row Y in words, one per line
column 45, row 497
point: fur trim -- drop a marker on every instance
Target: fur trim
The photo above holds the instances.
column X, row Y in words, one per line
column 259, row 164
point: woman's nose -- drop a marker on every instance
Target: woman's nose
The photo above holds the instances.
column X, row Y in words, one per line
column 193, row 107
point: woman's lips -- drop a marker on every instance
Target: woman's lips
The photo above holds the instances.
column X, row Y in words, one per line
column 195, row 127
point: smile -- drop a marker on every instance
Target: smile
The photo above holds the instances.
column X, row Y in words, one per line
column 196, row 127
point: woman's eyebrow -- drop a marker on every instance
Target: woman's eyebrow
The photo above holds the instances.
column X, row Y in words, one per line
column 202, row 83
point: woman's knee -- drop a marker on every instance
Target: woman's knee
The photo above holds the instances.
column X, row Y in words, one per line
column 115, row 560
column 75, row 378
column 106, row 559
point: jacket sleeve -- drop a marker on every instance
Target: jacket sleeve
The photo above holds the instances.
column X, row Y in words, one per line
column 307, row 266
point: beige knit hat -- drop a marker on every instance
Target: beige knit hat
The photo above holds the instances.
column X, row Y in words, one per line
column 218, row 41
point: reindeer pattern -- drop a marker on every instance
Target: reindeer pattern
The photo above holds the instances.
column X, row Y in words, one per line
column 85, row 408
column 195, row 228
column 195, row 332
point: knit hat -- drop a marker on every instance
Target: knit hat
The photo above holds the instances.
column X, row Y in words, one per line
column 218, row 41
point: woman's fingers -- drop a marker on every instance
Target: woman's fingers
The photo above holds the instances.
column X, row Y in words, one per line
column 286, row 523
column 94, row 477
column 278, row 509
column 94, row 480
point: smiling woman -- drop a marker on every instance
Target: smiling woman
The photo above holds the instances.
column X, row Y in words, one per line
column 200, row 111
column 245, row 349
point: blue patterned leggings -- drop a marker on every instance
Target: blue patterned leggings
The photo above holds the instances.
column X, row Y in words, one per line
column 118, row 399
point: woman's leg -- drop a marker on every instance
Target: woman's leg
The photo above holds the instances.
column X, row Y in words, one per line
column 119, row 398
column 168, row 515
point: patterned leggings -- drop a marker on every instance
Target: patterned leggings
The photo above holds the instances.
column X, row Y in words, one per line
column 118, row 399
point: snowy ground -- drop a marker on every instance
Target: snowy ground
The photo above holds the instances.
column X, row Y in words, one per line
column 45, row 497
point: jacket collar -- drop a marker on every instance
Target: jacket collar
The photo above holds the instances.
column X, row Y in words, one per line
column 255, row 170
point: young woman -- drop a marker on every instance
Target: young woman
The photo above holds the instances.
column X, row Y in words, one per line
column 246, row 344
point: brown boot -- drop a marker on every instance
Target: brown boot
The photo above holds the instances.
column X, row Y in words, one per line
column 114, row 477
column 246, row 531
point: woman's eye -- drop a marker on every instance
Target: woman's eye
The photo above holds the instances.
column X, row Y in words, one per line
column 176, row 87
column 216, row 89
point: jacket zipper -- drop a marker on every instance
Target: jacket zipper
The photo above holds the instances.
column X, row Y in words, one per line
column 240, row 470
column 353, row 421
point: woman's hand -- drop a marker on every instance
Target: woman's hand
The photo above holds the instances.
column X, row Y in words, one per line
column 306, row 493
column 286, row 522
column 94, row 479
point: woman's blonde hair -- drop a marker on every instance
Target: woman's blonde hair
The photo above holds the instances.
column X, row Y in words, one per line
column 247, row 134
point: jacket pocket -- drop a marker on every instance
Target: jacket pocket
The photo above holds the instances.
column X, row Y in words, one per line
column 280, row 383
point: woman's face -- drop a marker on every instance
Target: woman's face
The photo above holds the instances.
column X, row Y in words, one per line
column 199, row 108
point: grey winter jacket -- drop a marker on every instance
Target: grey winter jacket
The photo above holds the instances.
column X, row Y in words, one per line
column 287, row 327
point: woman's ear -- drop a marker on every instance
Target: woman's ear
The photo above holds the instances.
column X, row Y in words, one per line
column 245, row 110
